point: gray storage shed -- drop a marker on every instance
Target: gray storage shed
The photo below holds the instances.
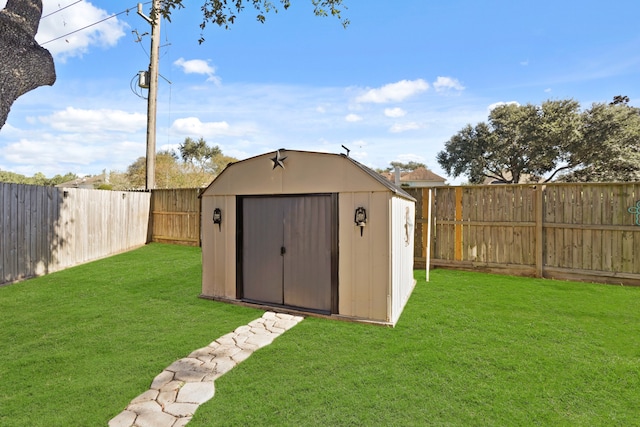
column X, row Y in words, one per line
column 314, row 232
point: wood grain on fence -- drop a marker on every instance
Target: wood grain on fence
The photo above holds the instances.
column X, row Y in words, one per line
column 578, row 231
column 46, row 229
column 176, row 216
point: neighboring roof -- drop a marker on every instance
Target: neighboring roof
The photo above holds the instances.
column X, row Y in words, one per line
column 84, row 182
column 390, row 185
column 419, row 174
column 422, row 174
column 416, row 177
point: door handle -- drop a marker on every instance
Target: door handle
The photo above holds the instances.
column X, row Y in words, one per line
column 283, row 250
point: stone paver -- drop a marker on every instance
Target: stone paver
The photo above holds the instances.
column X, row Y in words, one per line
column 176, row 393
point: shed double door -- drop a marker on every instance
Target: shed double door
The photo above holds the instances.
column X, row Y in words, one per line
column 286, row 251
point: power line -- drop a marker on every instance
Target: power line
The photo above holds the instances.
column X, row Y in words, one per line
column 61, row 9
column 90, row 25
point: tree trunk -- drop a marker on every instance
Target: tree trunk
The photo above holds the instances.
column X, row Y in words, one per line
column 24, row 65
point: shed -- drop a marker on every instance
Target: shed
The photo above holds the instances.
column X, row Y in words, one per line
column 312, row 232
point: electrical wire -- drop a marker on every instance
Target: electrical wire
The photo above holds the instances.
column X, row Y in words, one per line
column 90, row 25
column 139, row 41
column 132, row 86
column 61, row 9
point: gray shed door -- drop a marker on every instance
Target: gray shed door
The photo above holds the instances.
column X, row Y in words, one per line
column 286, row 245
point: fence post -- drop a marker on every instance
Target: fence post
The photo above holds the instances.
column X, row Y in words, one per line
column 539, row 192
column 458, row 226
column 428, row 239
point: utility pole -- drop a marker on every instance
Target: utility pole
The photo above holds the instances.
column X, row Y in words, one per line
column 154, row 21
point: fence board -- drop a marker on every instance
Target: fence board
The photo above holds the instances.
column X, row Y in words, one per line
column 578, row 231
column 46, row 229
column 176, row 216
column 582, row 231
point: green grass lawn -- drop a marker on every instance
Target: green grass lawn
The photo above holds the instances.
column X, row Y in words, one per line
column 79, row 344
column 469, row 349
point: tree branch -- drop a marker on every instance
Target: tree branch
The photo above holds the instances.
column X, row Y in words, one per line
column 24, row 65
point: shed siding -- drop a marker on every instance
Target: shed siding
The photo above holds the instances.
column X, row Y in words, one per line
column 375, row 270
column 219, row 248
column 402, row 231
column 364, row 265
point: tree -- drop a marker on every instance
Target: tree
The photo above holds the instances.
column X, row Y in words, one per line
column 610, row 145
column 37, row 179
column 200, row 164
column 218, row 163
column 202, row 158
column 620, row 99
column 198, row 153
column 406, row 167
column 519, row 142
column 24, row 65
column 224, row 12
column 166, row 171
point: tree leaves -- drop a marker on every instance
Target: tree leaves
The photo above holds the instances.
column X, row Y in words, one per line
column 610, row 145
column 225, row 12
column 200, row 164
column 530, row 143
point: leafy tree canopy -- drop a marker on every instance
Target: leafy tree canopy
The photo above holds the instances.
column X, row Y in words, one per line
column 198, row 152
column 529, row 143
column 224, row 12
column 37, row 179
column 405, row 167
column 620, row 99
column 610, row 146
column 195, row 166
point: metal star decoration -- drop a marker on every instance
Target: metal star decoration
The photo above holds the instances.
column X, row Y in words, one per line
column 278, row 160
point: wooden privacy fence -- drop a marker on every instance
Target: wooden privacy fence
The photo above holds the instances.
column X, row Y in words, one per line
column 565, row 231
column 568, row 231
column 46, row 229
column 176, row 216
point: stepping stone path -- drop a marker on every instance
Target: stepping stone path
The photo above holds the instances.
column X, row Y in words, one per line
column 176, row 392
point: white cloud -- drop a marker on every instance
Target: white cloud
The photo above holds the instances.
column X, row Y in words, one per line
column 394, row 112
column 193, row 126
column 71, row 33
column 394, row 92
column 403, row 127
column 353, row 118
column 243, row 119
column 70, row 152
column 170, row 147
column 80, row 120
column 443, row 84
column 198, row 66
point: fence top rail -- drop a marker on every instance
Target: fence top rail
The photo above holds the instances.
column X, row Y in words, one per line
column 535, row 184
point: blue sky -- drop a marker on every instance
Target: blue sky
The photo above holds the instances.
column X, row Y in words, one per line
column 402, row 79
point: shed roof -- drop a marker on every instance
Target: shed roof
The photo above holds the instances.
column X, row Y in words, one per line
column 300, row 172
